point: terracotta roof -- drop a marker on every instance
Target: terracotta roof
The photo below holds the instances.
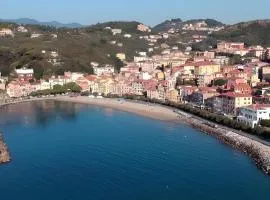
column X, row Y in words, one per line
column 232, row 94
column 259, row 106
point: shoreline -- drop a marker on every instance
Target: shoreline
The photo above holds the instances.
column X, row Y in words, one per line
column 4, row 153
column 254, row 147
column 256, row 150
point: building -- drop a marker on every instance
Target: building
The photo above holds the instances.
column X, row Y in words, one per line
column 24, row 74
column 22, row 29
column 35, row 35
column 20, row 89
column 230, row 46
column 253, row 114
column 137, row 87
column 6, row 32
column 116, row 31
column 173, row 95
column 231, row 102
column 127, row 36
column 206, row 68
column 143, row 28
column 121, row 56
column 106, row 70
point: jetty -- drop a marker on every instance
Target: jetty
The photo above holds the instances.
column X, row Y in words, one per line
column 4, row 153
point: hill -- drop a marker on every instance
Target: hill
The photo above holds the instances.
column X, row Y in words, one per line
column 179, row 24
column 251, row 33
column 126, row 26
column 28, row 21
column 77, row 48
column 168, row 24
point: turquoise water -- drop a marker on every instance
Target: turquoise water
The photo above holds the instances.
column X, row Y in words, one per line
column 65, row 151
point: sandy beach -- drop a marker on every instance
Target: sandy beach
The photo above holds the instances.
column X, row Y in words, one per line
column 144, row 109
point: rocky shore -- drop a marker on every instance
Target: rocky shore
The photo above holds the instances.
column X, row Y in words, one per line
column 4, row 153
column 258, row 152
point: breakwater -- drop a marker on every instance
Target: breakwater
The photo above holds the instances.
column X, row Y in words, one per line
column 258, row 152
column 4, row 153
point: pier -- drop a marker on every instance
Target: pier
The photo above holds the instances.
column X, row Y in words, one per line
column 4, row 153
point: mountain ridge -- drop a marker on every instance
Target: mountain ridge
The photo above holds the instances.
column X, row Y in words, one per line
column 54, row 23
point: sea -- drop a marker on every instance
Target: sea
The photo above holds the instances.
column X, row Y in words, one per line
column 68, row 151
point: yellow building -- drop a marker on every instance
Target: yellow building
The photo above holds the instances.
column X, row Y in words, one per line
column 173, row 95
column 206, row 68
column 121, row 56
column 160, row 76
column 231, row 102
column 254, row 80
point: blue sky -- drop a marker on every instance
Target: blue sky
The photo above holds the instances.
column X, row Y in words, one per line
column 149, row 12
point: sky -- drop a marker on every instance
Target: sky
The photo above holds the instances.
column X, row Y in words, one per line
column 150, row 12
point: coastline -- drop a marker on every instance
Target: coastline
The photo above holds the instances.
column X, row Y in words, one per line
column 254, row 147
column 256, row 150
column 4, row 153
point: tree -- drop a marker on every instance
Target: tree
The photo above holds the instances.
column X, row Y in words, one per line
column 72, row 87
column 265, row 123
column 118, row 64
column 235, row 59
column 220, row 82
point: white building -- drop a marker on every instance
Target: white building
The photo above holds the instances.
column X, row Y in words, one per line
column 36, row 35
column 22, row 29
column 116, row 31
column 127, row 36
column 6, row 32
column 54, row 54
column 252, row 115
column 142, row 53
column 108, row 69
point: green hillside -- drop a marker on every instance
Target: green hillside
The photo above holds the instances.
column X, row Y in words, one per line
column 253, row 32
column 77, row 48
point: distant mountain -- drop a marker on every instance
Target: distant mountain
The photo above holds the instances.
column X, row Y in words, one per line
column 251, row 33
column 35, row 22
column 178, row 24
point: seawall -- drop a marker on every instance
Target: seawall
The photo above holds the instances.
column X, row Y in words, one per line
column 258, row 152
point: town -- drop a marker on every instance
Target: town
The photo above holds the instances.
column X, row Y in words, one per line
column 208, row 80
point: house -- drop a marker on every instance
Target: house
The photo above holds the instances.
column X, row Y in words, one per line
column 205, row 80
column 173, row 95
column 202, row 94
column 121, row 56
column 241, row 88
column 137, row 87
column 253, row 114
column 143, row 28
column 116, row 31
column 152, row 92
column 225, row 46
column 6, row 32
column 105, row 70
column 17, row 89
column 24, row 74
column 83, row 83
column 205, row 67
column 35, row 35
column 231, row 102
column 127, row 36
column 22, row 29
